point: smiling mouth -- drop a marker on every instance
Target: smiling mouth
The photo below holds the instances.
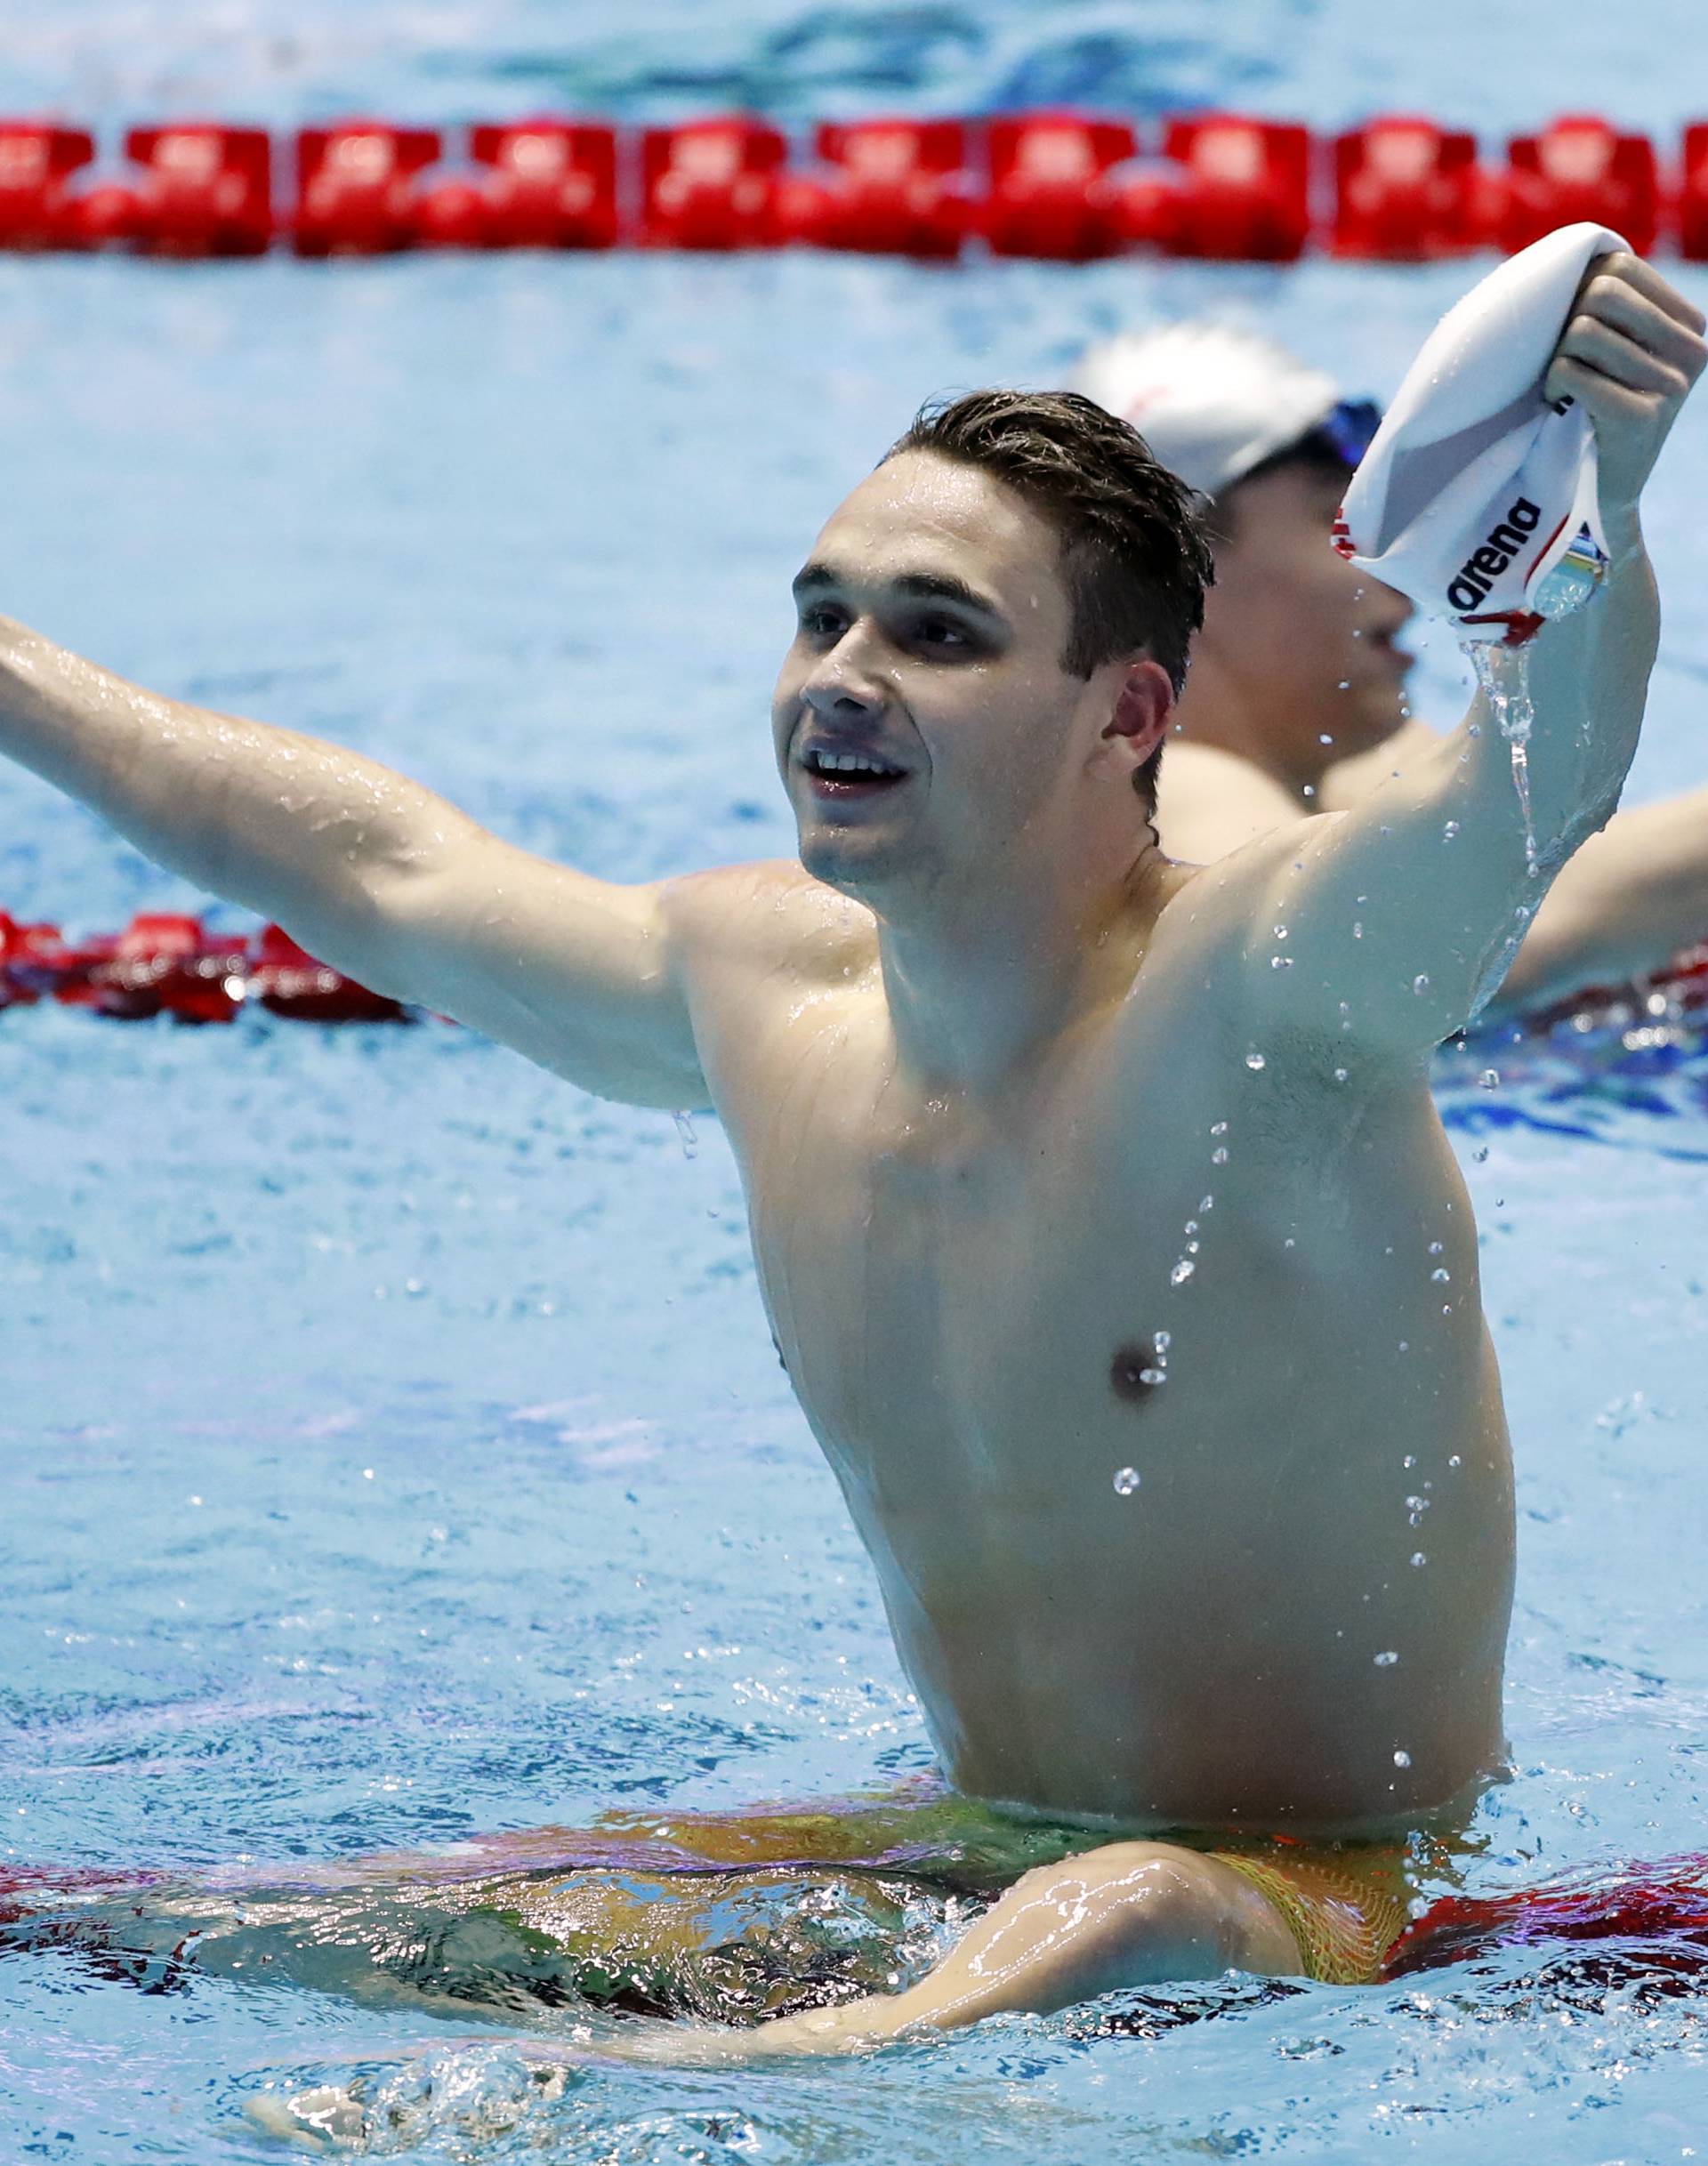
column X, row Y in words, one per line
column 850, row 774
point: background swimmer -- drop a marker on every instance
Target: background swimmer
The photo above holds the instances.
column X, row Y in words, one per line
column 1036, row 1127
column 1296, row 702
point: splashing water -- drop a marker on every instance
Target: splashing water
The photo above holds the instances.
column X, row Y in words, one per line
column 1504, row 675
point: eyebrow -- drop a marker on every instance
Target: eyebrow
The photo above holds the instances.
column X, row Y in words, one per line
column 816, row 577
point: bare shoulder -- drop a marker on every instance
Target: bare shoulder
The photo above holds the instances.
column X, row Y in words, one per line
column 1210, row 802
column 770, row 915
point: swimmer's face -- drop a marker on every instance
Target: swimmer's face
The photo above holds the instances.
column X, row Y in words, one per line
column 1309, row 642
column 922, row 717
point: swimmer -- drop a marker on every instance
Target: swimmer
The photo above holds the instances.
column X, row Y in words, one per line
column 1297, row 701
column 1101, row 1211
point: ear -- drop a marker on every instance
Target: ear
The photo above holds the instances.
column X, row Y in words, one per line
column 1143, row 708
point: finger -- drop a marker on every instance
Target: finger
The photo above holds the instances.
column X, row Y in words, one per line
column 1569, row 378
column 1616, row 301
column 1603, row 348
column 1631, row 271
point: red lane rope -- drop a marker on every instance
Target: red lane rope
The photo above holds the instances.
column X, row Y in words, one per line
column 1066, row 186
column 167, row 964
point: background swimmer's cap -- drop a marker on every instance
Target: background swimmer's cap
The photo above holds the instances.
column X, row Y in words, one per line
column 1477, row 497
column 1211, row 399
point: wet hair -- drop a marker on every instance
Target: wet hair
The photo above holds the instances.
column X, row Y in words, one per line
column 1135, row 556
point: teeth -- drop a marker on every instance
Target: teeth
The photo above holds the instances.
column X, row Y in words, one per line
column 849, row 763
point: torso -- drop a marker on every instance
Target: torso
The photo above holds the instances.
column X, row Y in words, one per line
column 969, row 1304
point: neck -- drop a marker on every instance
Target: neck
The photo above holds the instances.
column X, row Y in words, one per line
column 1220, row 710
column 980, row 987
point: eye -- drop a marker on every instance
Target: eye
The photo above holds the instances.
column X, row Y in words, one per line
column 942, row 632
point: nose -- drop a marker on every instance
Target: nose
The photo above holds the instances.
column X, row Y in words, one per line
column 843, row 685
column 1395, row 610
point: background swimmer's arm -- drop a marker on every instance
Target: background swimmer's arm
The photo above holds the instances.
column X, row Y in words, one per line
column 1624, row 907
column 377, row 875
column 1405, row 914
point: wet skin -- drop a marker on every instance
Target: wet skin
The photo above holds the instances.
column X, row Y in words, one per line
column 967, row 1274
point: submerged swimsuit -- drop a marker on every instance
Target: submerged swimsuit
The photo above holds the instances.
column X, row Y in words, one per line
column 731, row 1918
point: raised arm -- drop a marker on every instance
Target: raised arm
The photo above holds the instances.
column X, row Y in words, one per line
column 1403, row 916
column 379, row 876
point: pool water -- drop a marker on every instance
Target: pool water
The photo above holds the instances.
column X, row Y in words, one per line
column 394, row 1447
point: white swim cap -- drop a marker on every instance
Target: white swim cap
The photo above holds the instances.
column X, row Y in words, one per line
column 1476, row 491
column 1211, row 399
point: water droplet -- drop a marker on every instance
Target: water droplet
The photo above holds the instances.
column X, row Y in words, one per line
column 1254, row 1061
column 1181, row 1272
column 1489, row 1078
column 1386, row 1659
column 1421, row 983
column 1402, row 1759
column 1126, row 1480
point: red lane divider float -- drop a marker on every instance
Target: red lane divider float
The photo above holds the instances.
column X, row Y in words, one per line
column 885, row 188
column 166, row 964
column 711, row 184
column 1051, row 190
column 1062, row 185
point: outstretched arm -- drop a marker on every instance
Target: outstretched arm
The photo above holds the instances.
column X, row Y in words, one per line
column 1404, row 915
column 382, row 878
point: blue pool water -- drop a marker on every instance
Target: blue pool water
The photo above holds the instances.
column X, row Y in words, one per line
column 393, row 1445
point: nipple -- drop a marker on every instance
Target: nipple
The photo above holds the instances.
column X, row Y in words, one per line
column 1140, row 1369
